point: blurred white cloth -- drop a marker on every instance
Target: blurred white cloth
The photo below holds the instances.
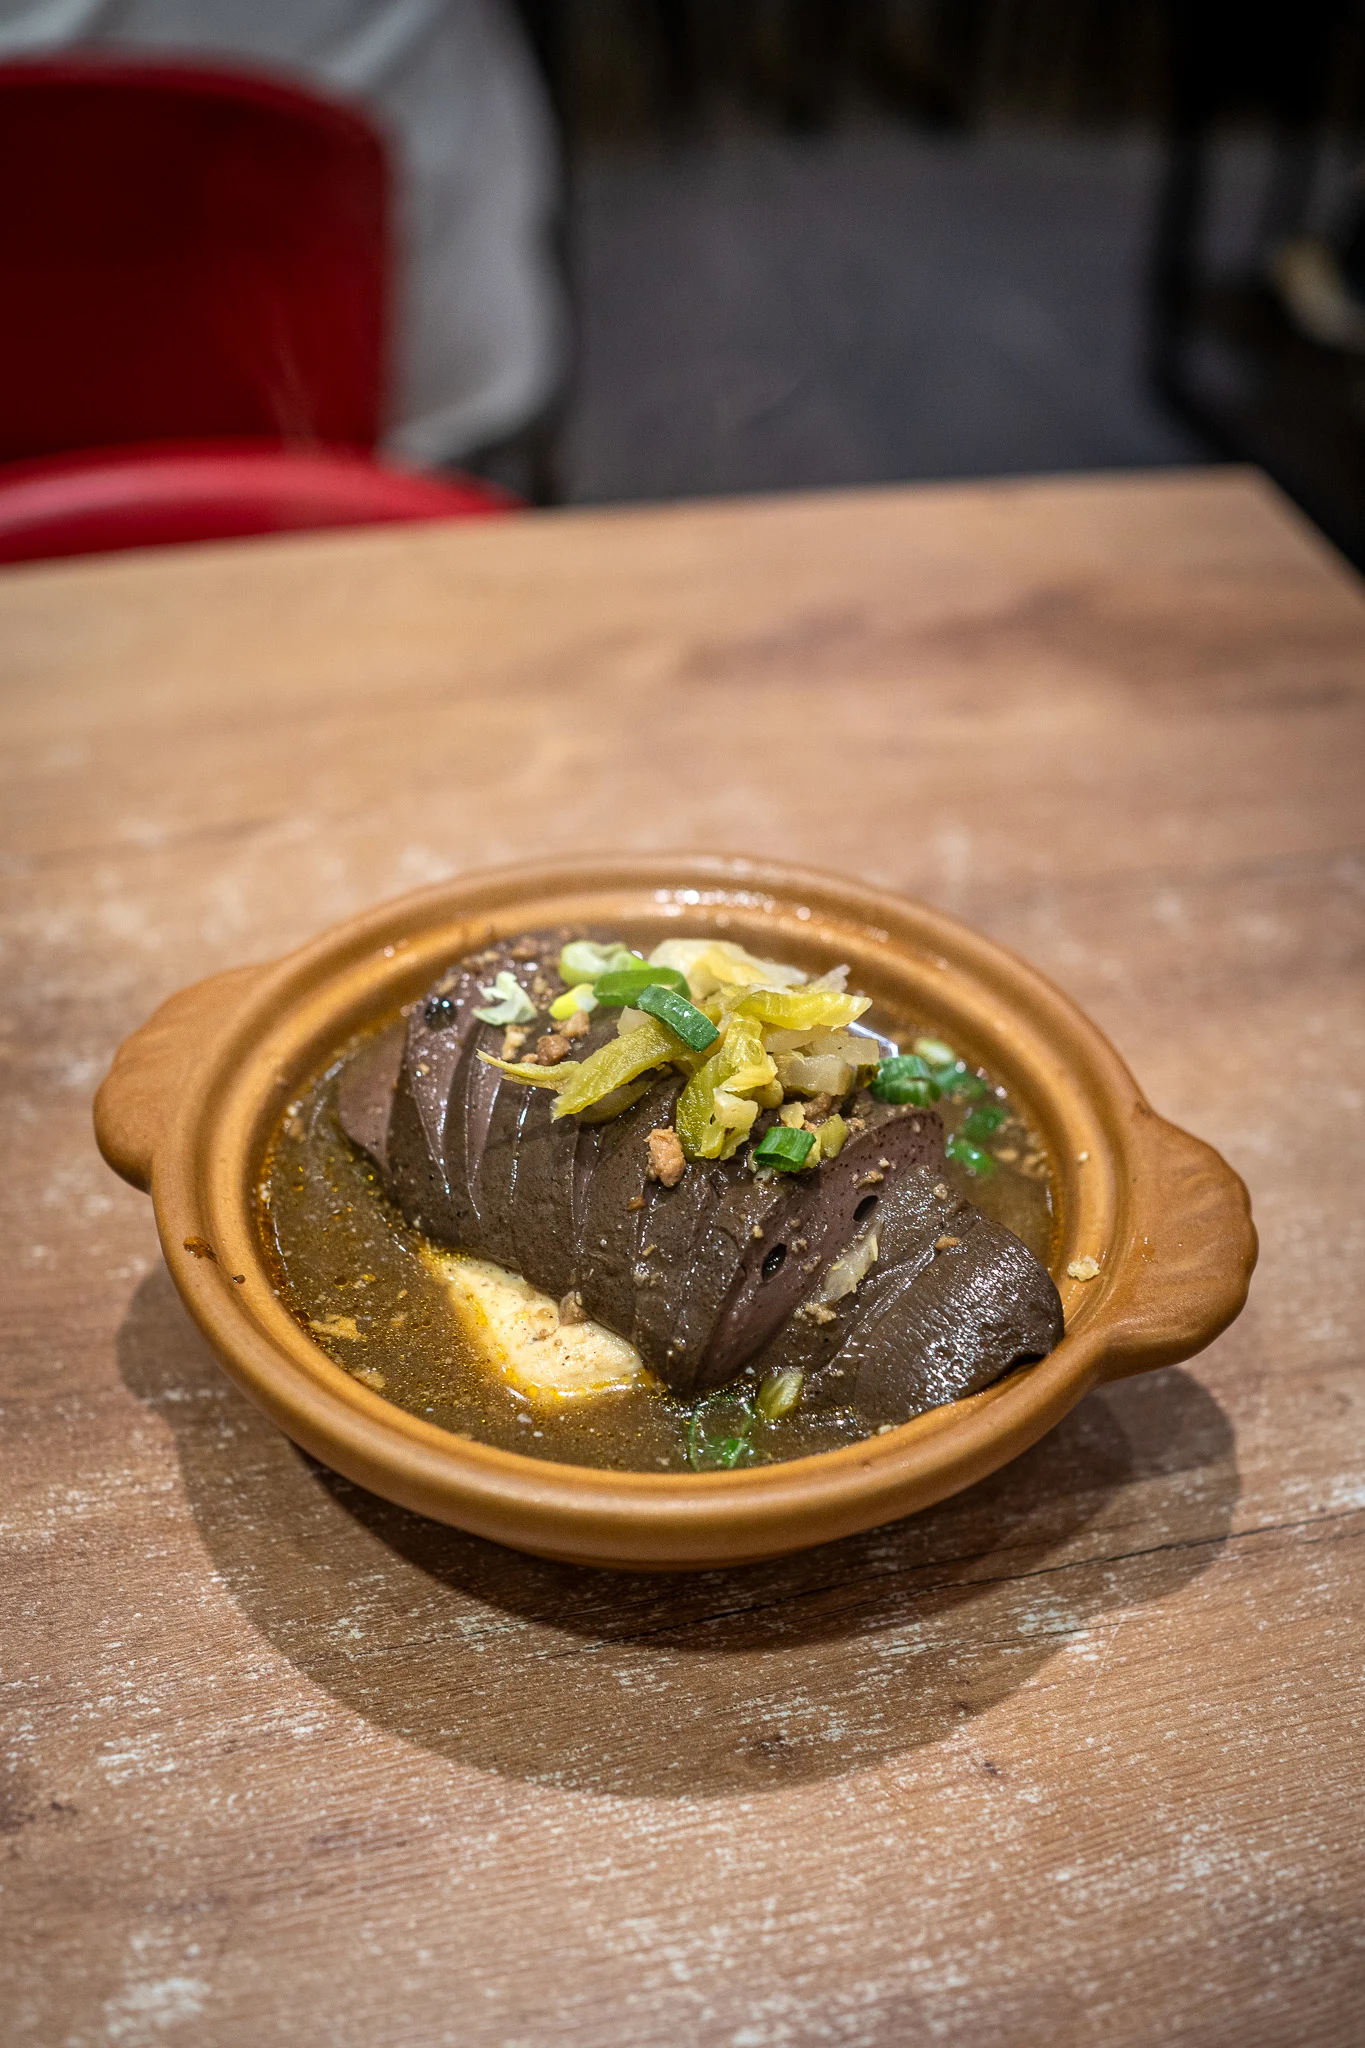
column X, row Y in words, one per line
column 480, row 322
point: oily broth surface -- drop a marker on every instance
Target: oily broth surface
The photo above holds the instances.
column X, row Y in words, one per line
column 350, row 1268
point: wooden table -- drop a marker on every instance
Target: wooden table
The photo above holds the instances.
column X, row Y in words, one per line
column 1074, row 1757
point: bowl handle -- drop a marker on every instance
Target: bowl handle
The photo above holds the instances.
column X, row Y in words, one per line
column 138, row 1095
column 1191, row 1252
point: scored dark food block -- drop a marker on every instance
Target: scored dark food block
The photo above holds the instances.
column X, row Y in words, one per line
column 723, row 1249
column 950, row 1325
column 812, row 1218
column 366, row 1092
column 933, row 1320
column 906, row 1217
column 490, row 1154
column 540, row 1248
column 727, row 1269
column 424, row 1161
column 673, row 1222
column 609, row 1269
column 481, row 1129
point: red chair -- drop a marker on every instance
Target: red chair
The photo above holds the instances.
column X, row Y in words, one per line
column 191, row 255
column 166, row 493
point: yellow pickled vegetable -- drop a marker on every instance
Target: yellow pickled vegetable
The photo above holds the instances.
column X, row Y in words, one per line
column 771, row 1032
column 737, row 1114
column 580, row 998
column 713, row 1115
column 854, row 1047
column 780, row 1393
column 578, row 1084
column 619, row 1099
column 710, row 964
column 803, row 1009
column 833, row 1136
column 824, row 1075
column 732, row 966
column 528, row 1071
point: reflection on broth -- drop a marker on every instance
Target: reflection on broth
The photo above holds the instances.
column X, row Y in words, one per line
column 691, row 1213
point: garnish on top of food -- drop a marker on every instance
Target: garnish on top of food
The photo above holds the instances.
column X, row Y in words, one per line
column 711, row 1156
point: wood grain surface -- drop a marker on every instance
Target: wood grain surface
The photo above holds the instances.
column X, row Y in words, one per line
column 1074, row 1757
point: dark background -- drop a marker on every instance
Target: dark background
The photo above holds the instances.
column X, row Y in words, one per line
column 812, row 243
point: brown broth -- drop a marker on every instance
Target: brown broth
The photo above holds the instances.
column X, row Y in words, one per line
column 350, row 1268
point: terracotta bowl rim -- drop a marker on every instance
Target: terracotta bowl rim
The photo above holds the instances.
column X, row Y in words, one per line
column 254, row 1054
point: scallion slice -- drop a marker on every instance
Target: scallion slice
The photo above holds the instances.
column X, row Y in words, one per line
column 719, row 1430
column 508, row 1002
column 936, row 1052
column 621, row 988
column 785, row 1148
column 692, row 1025
column 905, row 1078
column 585, row 960
column 959, row 1083
column 980, row 1122
column 978, row 1163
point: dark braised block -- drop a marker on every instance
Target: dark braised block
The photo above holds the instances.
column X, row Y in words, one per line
column 729, row 1269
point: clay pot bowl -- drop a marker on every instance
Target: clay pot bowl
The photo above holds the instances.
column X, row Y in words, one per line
column 192, row 1097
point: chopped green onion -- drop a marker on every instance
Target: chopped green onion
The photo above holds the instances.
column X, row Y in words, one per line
column 904, row 1078
column 958, row 1082
column 508, row 1002
column 692, row 1025
column 580, row 998
column 780, row 1393
column 719, row 1431
column 981, row 1121
column 950, row 1075
column 978, row 1163
column 936, row 1052
column 585, row 960
column 784, row 1148
column 622, row 987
